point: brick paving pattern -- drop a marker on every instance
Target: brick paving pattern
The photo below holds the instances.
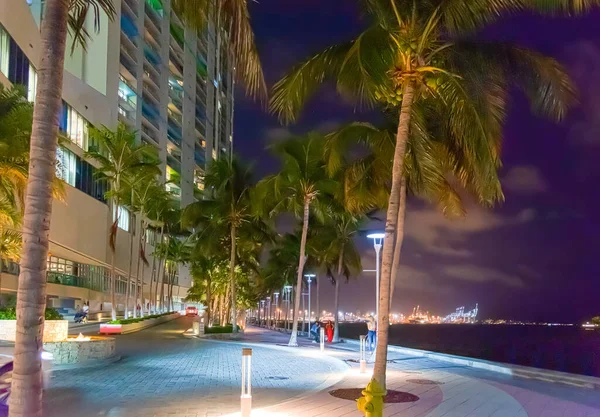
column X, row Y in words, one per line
column 164, row 374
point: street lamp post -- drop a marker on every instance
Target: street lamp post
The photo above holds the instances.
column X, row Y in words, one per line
column 377, row 243
column 309, row 278
column 288, row 292
column 262, row 310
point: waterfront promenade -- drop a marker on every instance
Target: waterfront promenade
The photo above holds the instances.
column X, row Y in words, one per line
column 163, row 373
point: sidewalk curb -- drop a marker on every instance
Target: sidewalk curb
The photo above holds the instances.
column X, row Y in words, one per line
column 526, row 372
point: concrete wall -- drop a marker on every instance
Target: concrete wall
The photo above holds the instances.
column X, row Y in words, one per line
column 54, row 330
column 79, row 224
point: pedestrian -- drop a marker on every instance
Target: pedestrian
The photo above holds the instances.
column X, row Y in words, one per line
column 314, row 332
column 372, row 332
column 329, row 330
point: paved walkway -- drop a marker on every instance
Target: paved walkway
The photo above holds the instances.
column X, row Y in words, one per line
column 164, row 374
column 458, row 392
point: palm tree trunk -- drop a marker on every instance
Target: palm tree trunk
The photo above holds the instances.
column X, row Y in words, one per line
column 208, row 299
column 226, row 304
column 26, row 397
column 113, row 272
column 383, row 321
column 336, row 320
column 137, row 273
column 171, row 285
column 152, row 276
column 128, row 290
column 161, row 282
column 399, row 238
column 294, row 337
column 232, row 279
column 215, row 308
column 141, row 295
column 221, row 305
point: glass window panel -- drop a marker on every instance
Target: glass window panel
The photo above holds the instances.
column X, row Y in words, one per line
column 32, row 86
column 4, row 51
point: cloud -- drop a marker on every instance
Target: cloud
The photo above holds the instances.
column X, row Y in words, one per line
column 525, row 179
column 482, row 275
column 584, row 67
column 327, row 126
column 277, row 134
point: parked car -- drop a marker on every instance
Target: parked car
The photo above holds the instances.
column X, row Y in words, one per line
column 191, row 311
column 6, row 370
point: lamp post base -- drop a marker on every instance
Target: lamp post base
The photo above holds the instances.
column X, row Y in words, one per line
column 246, row 405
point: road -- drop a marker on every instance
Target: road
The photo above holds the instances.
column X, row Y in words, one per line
column 163, row 373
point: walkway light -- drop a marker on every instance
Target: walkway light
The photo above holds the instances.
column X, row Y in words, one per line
column 322, row 331
column 309, row 278
column 246, row 397
column 377, row 243
column 363, row 361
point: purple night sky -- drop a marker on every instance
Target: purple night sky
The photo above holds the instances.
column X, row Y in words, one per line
column 536, row 256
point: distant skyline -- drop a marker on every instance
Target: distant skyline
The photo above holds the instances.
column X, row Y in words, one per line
column 533, row 258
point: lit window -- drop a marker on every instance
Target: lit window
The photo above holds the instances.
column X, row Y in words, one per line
column 4, row 51
column 66, row 166
column 32, row 86
column 77, row 128
column 124, row 216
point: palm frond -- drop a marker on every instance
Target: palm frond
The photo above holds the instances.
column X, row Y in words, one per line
column 562, row 6
column 234, row 17
column 291, row 93
column 78, row 15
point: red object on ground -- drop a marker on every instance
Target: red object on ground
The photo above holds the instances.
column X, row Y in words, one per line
column 191, row 311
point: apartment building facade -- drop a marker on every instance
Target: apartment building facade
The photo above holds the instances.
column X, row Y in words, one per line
column 170, row 84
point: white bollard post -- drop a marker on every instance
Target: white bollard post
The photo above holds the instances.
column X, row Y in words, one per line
column 322, row 331
column 363, row 361
column 246, row 397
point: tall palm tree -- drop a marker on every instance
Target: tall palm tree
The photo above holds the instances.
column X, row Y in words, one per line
column 301, row 187
column 160, row 213
column 148, row 194
column 120, row 156
column 26, row 391
column 139, row 190
column 225, row 214
column 413, row 51
column 336, row 240
column 428, row 165
column 178, row 254
column 26, row 388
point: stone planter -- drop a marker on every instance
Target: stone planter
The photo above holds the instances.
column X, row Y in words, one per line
column 97, row 350
column 135, row 327
column 54, row 330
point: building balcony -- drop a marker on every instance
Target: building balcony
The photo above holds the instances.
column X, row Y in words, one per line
column 75, row 281
column 152, row 22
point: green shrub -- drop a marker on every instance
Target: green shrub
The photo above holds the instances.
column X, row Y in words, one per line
column 8, row 314
column 52, row 314
column 11, row 314
column 137, row 320
column 228, row 328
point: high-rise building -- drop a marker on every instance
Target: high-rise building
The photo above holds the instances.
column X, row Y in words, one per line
column 171, row 84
